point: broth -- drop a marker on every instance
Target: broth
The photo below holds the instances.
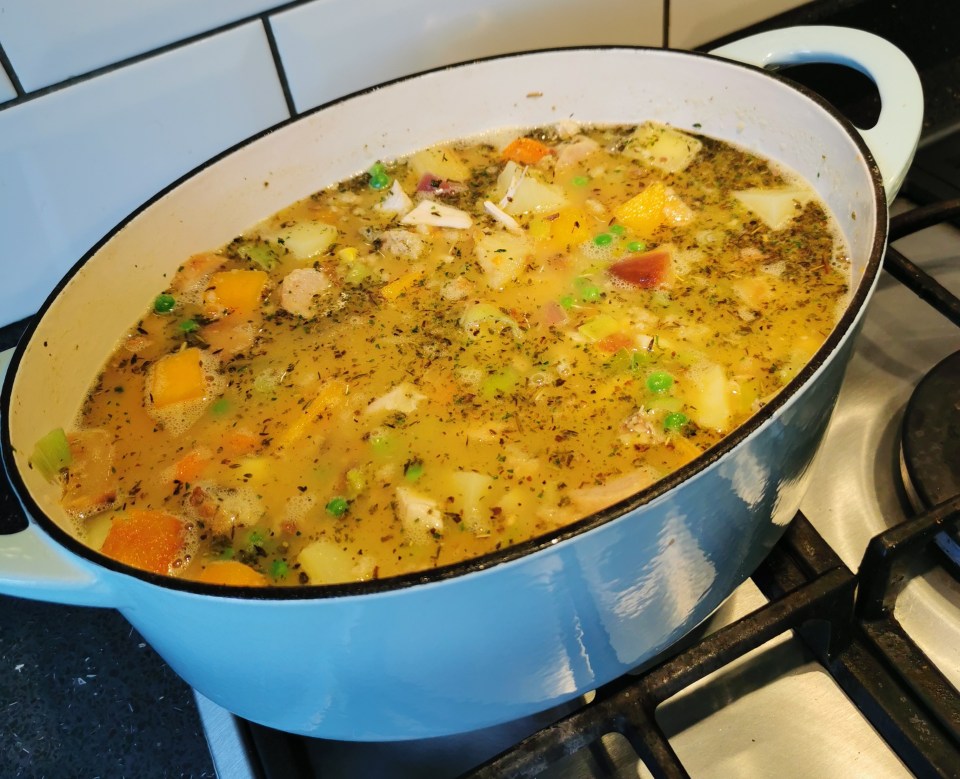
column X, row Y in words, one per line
column 450, row 353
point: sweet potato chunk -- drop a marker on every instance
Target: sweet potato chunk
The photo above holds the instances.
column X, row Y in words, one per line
column 150, row 540
column 178, row 377
column 235, row 291
column 232, row 573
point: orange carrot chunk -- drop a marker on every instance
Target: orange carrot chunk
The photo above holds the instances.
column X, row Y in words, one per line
column 232, row 573
column 189, row 467
column 525, row 151
column 150, row 540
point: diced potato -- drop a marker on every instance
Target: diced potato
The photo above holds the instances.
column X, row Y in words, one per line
column 306, row 240
column 599, row 326
column 441, row 163
column 327, row 563
column 709, row 398
column 178, row 378
column 471, row 495
column 526, row 193
column 662, row 147
column 644, row 213
column 775, row 207
column 502, row 256
column 235, row 291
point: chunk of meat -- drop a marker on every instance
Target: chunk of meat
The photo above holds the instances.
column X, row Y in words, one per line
column 404, row 398
column 645, row 426
column 590, row 499
column 420, row 516
column 433, row 214
column 569, row 154
column 300, row 289
column 90, row 484
column 191, row 278
column 643, row 270
column 403, row 243
column 223, row 508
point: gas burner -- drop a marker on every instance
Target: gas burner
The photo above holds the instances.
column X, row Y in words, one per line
column 930, row 445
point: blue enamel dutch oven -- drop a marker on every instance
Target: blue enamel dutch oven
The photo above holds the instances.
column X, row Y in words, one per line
column 512, row 633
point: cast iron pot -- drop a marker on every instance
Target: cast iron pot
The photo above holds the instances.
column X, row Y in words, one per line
column 512, row 633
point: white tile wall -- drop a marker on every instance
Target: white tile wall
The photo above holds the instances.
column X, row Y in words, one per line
column 7, row 92
column 328, row 53
column 695, row 22
column 74, row 162
column 79, row 156
column 50, row 40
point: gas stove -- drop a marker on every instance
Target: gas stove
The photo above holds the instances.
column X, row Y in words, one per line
column 840, row 657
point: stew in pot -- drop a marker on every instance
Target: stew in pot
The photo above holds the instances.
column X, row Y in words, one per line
column 450, row 353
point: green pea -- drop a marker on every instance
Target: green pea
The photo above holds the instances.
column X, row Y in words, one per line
column 164, row 303
column 659, row 381
column 220, row 406
column 378, row 176
column 188, row 326
column 675, row 421
column 586, row 290
column 413, row 470
column 604, row 239
column 617, row 229
column 338, row 506
column 279, row 569
column 567, row 302
column 580, row 181
column 636, row 246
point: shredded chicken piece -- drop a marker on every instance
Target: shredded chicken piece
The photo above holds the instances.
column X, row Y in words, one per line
column 503, row 217
column 403, row 243
column 512, row 189
column 644, row 427
column 421, row 517
column 397, row 202
column 589, row 499
column 433, row 214
column 569, row 154
column 402, row 398
column 299, row 289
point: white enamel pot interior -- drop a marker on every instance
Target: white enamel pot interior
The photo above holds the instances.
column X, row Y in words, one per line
column 512, row 633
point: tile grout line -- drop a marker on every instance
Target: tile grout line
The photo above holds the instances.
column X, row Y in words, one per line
column 278, row 64
column 24, row 96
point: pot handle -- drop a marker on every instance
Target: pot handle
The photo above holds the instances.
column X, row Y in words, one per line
column 893, row 140
column 33, row 566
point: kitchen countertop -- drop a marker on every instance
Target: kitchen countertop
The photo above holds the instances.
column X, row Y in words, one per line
column 82, row 695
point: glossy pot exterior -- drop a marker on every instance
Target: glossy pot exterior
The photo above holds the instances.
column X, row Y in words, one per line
column 513, row 633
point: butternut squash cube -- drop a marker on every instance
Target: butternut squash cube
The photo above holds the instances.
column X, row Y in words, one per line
column 643, row 213
column 177, row 378
column 235, row 291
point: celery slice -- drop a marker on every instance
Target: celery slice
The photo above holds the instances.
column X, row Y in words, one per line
column 51, row 454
